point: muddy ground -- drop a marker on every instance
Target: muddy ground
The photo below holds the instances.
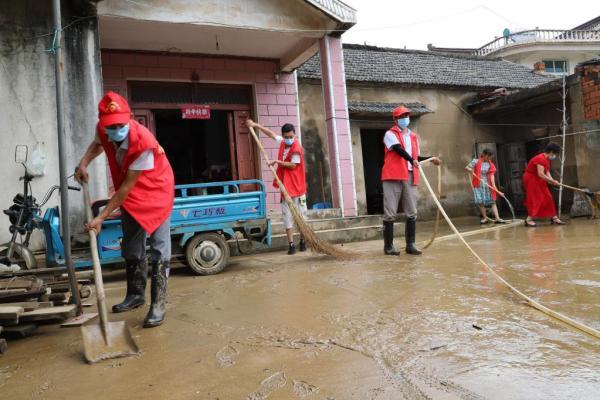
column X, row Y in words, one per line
column 306, row 327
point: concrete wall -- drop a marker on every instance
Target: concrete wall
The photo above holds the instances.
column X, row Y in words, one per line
column 274, row 100
column 314, row 141
column 447, row 133
column 532, row 122
column 261, row 14
column 28, row 96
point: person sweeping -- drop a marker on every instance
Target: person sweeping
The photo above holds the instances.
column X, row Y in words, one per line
column 144, row 192
column 400, row 177
column 290, row 170
column 483, row 181
column 538, row 200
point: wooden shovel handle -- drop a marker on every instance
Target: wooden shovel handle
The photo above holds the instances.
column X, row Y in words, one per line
column 100, row 297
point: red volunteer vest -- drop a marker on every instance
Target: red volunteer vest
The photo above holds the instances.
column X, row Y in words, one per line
column 395, row 168
column 477, row 171
column 151, row 200
column 293, row 179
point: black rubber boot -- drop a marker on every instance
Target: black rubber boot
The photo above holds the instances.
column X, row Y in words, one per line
column 302, row 245
column 158, row 295
column 388, row 239
column 291, row 249
column 411, row 233
column 137, row 275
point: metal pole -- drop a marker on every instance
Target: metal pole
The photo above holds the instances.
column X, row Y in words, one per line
column 564, row 138
column 62, row 162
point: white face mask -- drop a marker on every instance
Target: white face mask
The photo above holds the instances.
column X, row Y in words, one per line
column 403, row 122
column 552, row 157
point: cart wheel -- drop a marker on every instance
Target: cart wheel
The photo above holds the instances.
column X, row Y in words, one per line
column 207, row 253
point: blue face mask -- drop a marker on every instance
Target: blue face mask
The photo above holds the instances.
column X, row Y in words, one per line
column 552, row 157
column 117, row 135
column 288, row 142
column 403, row 122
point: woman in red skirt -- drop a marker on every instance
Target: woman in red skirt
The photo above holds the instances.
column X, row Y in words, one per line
column 538, row 200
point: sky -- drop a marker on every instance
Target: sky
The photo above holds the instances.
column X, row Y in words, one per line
column 459, row 23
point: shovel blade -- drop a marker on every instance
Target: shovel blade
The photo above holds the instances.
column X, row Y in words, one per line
column 118, row 343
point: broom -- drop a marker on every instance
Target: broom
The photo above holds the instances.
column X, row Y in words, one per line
column 594, row 198
column 316, row 245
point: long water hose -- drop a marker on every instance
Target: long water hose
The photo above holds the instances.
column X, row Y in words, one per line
column 436, row 225
column 512, row 210
column 529, row 301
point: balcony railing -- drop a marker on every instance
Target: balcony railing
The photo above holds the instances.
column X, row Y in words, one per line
column 538, row 36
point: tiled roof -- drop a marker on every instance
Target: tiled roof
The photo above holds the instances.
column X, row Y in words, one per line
column 371, row 64
column 385, row 108
column 337, row 9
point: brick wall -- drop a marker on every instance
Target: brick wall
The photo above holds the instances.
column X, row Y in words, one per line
column 590, row 89
column 274, row 101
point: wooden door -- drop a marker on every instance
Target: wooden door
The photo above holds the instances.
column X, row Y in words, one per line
column 245, row 157
column 516, row 161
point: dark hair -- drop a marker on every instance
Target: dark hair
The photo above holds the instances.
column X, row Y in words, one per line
column 487, row 152
column 287, row 128
column 552, row 148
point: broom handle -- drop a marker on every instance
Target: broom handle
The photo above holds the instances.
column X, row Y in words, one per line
column 572, row 188
column 490, row 186
column 282, row 188
column 100, row 297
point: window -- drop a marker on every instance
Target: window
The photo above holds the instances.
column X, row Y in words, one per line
column 556, row 66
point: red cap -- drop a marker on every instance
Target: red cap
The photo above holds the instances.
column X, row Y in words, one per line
column 113, row 109
column 400, row 111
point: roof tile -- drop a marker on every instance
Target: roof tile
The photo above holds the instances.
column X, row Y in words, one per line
column 417, row 67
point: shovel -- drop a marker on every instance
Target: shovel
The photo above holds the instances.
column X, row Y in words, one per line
column 107, row 339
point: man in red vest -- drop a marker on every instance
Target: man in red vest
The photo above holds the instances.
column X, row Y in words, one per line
column 290, row 170
column 400, row 177
column 144, row 184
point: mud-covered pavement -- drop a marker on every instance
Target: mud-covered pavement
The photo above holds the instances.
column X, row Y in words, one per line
column 306, row 327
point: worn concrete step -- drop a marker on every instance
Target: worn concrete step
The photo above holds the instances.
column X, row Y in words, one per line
column 331, row 223
column 337, row 235
column 312, row 214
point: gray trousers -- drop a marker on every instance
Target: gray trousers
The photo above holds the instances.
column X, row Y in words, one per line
column 396, row 191
column 133, row 247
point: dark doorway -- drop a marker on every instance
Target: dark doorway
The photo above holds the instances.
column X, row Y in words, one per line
column 372, row 151
column 198, row 150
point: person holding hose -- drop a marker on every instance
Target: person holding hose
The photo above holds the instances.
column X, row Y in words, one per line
column 144, row 192
column 290, row 170
column 538, row 200
column 400, row 177
column 484, row 185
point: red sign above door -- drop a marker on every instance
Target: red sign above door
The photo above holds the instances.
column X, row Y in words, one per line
column 195, row 112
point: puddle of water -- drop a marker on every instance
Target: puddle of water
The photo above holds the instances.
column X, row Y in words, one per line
column 377, row 328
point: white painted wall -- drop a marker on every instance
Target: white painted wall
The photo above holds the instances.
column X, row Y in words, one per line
column 573, row 58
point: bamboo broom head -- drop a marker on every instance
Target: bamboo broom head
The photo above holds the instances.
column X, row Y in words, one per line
column 316, row 244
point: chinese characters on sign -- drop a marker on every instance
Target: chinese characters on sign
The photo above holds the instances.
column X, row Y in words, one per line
column 195, row 112
column 207, row 212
